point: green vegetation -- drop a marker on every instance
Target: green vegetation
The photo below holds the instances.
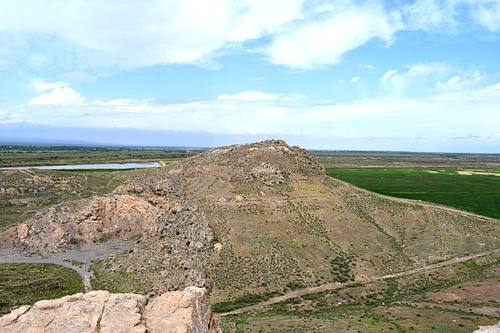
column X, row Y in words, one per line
column 115, row 282
column 341, row 269
column 243, row 301
column 27, row 283
column 473, row 190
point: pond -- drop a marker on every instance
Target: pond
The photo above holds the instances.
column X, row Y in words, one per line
column 90, row 166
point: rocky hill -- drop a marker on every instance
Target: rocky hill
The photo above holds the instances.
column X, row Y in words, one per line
column 252, row 219
column 185, row 311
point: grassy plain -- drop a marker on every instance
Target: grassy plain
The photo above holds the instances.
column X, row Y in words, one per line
column 11, row 156
column 27, row 283
column 473, row 190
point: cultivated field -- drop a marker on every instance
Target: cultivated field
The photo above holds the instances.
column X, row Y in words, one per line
column 472, row 189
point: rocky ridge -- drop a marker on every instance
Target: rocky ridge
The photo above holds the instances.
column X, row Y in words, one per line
column 185, row 311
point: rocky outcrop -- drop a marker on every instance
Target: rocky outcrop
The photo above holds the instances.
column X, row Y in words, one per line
column 186, row 311
column 87, row 221
column 489, row 329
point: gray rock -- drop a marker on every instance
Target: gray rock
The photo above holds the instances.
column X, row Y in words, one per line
column 102, row 312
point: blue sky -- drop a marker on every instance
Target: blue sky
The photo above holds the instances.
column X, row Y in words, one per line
column 418, row 75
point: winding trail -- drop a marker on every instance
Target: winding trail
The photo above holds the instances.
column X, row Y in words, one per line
column 78, row 260
column 337, row 285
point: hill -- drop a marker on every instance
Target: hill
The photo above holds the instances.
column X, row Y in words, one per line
column 249, row 222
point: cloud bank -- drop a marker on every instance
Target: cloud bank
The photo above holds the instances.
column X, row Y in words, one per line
column 300, row 34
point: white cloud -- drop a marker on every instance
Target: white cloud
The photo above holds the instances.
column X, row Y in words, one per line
column 136, row 34
column 487, row 14
column 111, row 35
column 250, row 95
column 450, row 16
column 433, row 79
column 418, row 80
column 467, row 81
column 355, row 79
column 455, row 113
column 10, row 116
column 430, row 14
column 388, row 74
column 39, row 85
column 58, row 96
column 78, row 77
column 82, row 35
column 324, row 39
column 258, row 18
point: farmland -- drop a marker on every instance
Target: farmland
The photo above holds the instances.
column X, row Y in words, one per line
column 473, row 190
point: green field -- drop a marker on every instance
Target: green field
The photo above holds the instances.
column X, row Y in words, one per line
column 473, row 190
column 27, row 283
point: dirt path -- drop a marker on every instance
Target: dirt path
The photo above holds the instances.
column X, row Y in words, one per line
column 78, row 260
column 337, row 285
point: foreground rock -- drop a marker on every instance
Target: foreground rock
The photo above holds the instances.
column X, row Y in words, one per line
column 100, row 312
column 489, row 329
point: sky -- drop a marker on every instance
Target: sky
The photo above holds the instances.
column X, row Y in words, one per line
column 396, row 75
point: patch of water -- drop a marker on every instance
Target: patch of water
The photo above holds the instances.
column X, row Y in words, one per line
column 90, row 166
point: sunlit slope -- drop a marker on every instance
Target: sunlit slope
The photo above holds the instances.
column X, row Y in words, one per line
column 262, row 217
